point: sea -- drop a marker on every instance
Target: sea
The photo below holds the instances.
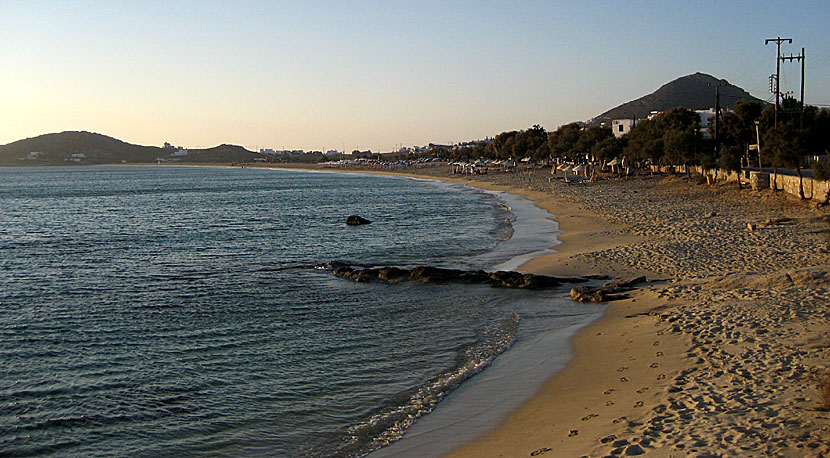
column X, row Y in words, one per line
column 179, row 311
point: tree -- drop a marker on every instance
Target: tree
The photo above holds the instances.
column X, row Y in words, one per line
column 609, row 148
column 788, row 145
column 501, row 144
column 730, row 160
column 737, row 127
column 822, row 171
column 681, row 146
column 527, row 142
column 681, row 136
column 590, row 137
column 563, row 141
column 645, row 141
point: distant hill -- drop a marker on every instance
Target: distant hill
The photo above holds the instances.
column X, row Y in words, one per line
column 74, row 147
column 695, row 92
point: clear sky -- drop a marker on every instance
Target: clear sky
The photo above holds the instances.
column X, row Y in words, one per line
column 373, row 74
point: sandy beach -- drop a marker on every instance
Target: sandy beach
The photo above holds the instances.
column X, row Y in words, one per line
column 720, row 354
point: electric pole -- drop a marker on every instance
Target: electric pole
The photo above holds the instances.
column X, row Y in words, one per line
column 802, row 59
column 778, row 41
column 717, row 116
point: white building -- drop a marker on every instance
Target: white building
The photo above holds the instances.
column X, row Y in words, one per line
column 707, row 119
column 621, row 127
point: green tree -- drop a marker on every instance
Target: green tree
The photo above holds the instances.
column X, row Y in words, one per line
column 563, row 141
column 681, row 146
column 822, row 171
column 589, row 137
column 730, row 160
column 609, row 148
column 502, row 144
column 645, row 142
column 527, row 142
column 737, row 127
column 788, row 146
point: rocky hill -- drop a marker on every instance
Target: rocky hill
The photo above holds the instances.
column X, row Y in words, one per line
column 74, row 147
column 695, row 92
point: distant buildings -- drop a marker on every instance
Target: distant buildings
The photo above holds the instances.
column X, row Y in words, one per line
column 621, row 127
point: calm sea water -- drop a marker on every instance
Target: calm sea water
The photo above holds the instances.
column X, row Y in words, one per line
column 167, row 311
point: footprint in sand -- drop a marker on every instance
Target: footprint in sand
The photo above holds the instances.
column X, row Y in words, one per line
column 654, row 365
column 631, row 358
column 638, row 404
column 642, row 390
column 589, row 416
column 622, row 368
column 608, row 439
column 661, row 376
column 660, row 333
column 623, row 379
column 656, row 343
column 659, row 354
column 609, row 403
column 609, row 391
column 574, row 432
column 620, row 419
column 541, row 451
column 630, row 341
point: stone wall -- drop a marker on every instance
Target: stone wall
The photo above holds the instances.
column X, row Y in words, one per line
column 813, row 189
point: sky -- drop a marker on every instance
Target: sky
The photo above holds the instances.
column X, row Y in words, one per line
column 376, row 75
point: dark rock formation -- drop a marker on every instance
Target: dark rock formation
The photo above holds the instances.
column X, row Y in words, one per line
column 430, row 274
column 611, row 292
column 355, row 220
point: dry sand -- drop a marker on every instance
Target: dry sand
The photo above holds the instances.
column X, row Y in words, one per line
column 718, row 356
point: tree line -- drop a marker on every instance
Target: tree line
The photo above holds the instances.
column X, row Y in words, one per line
column 674, row 138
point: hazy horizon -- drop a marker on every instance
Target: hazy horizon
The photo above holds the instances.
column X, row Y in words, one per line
column 371, row 75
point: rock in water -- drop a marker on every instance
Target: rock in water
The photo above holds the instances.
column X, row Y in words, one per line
column 355, row 220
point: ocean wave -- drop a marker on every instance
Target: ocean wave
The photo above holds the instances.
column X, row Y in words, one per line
column 391, row 423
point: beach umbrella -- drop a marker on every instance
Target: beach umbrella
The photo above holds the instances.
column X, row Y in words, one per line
column 581, row 168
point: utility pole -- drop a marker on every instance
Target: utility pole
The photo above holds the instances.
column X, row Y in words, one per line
column 802, row 59
column 778, row 41
column 717, row 116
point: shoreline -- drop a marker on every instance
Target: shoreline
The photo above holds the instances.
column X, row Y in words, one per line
column 720, row 355
column 579, row 232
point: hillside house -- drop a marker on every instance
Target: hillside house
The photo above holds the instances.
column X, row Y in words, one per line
column 621, row 127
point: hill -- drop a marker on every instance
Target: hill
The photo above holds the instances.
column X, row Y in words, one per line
column 74, row 147
column 695, row 92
